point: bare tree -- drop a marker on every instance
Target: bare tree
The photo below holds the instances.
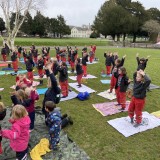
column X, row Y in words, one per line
column 20, row 8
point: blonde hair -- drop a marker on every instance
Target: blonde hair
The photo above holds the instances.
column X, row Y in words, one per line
column 18, row 112
column 53, row 59
column 28, row 91
column 2, row 107
column 21, row 93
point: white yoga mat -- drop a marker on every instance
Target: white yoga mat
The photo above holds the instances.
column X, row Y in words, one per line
column 89, row 76
column 81, row 89
column 70, row 96
column 1, row 89
column 124, row 126
column 92, row 62
column 37, row 77
column 108, row 95
column 106, row 81
column 71, row 72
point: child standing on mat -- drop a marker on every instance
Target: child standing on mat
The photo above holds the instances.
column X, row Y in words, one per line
column 117, row 64
column 121, row 86
column 19, row 132
column 79, row 71
column 14, row 61
column 141, row 83
column 108, row 62
column 84, row 63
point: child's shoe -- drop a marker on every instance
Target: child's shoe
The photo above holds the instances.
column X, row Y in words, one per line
column 70, row 120
column 132, row 120
column 121, row 109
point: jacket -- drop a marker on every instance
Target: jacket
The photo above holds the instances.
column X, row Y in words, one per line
column 18, row 134
column 139, row 88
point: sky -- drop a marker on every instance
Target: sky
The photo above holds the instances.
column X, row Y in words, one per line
column 79, row 12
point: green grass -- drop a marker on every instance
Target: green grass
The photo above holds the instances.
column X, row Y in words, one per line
column 60, row 42
column 91, row 130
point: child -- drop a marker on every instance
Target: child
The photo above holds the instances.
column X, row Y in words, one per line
column 141, row 83
column 108, row 62
column 40, row 66
column 35, row 55
column 29, row 68
column 72, row 61
column 79, row 71
column 2, row 116
column 122, row 83
column 91, row 56
column 54, row 65
column 63, row 79
column 19, row 51
column 19, row 132
column 4, row 54
column 117, row 64
column 14, row 61
column 53, row 121
column 84, row 63
column 142, row 63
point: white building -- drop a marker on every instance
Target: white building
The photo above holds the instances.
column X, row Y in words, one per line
column 81, row 32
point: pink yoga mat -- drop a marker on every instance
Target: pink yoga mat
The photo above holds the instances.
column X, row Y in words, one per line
column 109, row 108
column 3, row 64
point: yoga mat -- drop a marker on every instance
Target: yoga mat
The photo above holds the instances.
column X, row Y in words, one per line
column 106, row 81
column 124, row 126
column 71, row 72
column 8, row 69
column 74, row 78
column 156, row 114
column 109, row 108
column 70, row 96
column 41, row 90
column 81, row 89
column 2, row 72
column 108, row 95
column 94, row 62
column 105, row 75
column 37, row 77
column 151, row 86
column 1, row 89
column 3, row 64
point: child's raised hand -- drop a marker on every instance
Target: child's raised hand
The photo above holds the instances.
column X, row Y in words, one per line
column 148, row 56
column 13, row 93
column 137, row 54
column 129, row 81
column 124, row 56
column 141, row 72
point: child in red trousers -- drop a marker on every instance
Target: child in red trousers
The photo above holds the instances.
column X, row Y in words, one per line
column 14, row 61
column 141, row 83
column 122, row 83
column 117, row 64
column 108, row 62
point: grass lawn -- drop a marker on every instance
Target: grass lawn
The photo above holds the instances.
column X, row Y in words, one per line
column 61, row 42
column 91, row 130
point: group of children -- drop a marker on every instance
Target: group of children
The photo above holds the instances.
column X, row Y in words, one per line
column 25, row 96
column 120, row 82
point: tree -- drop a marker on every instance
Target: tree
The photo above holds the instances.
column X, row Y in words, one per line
column 20, row 8
column 152, row 27
column 2, row 25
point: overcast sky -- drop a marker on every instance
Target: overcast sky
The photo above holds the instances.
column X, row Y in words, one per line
column 78, row 12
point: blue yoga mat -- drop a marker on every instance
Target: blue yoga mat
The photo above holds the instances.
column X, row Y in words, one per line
column 41, row 90
column 2, row 72
column 106, row 81
column 8, row 69
column 22, row 71
column 105, row 75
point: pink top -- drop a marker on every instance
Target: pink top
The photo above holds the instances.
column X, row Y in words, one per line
column 18, row 134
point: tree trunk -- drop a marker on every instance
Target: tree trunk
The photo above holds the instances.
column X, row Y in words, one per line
column 10, row 43
column 118, row 37
column 134, row 38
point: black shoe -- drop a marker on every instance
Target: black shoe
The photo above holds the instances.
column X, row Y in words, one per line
column 121, row 109
column 70, row 120
column 79, row 86
column 137, row 125
column 132, row 120
column 64, row 116
column 41, row 83
column 63, row 96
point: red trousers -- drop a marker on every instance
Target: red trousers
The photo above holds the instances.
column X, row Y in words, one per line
column 4, row 57
column 113, row 82
column 136, row 105
column 24, row 59
column 64, row 88
column 19, row 55
column 15, row 65
column 30, row 76
column 91, row 59
column 121, row 97
column 58, row 57
column 40, row 73
column 72, row 64
column 35, row 60
column 63, row 59
column 79, row 78
column 69, row 59
column 84, row 70
column 108, row 70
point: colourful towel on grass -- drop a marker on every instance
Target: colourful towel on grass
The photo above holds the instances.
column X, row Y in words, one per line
column 41, row 90
column 3, row 64
column 109, row 108
column 106, row 81
column 2, row 72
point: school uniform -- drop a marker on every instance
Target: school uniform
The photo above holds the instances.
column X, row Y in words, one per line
column 14, row 61
column 40, row 66
column 79, row 71
column 84, row 65
column 63, row 80
column 19, row 52
column 121, row 88
column 113, row 79
column 35, row 55
column 138, row 99
column 108, row 62
column 4, row 54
